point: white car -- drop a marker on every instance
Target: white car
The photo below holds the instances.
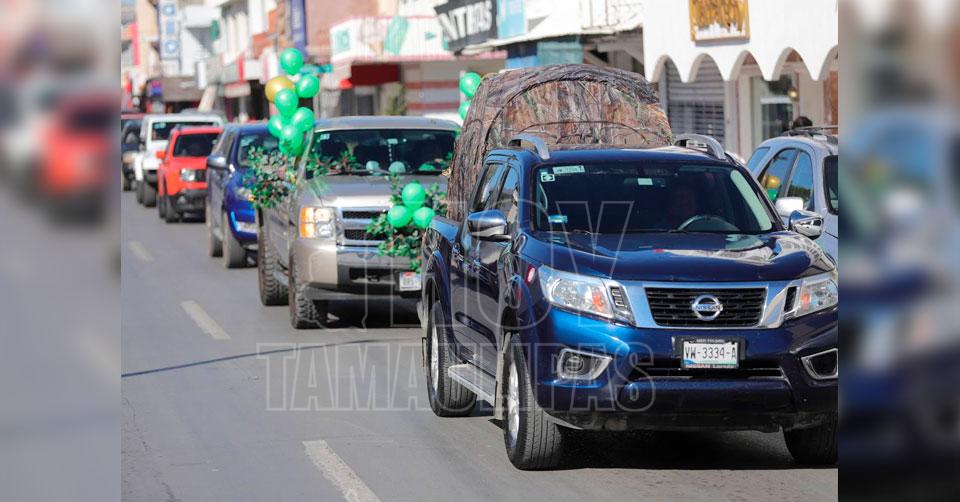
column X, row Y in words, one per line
column 799, row 171
column 154, row 134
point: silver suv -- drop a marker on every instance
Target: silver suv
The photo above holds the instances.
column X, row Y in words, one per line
column 313, row 246
column 799, row 171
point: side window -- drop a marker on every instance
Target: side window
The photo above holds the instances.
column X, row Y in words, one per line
column 801, row 181
column 776, row 172
column 225, row 138
column 755, row 159
column 509, row 196
column 486, row 187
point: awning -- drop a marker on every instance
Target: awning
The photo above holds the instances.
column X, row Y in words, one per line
column 180, row 89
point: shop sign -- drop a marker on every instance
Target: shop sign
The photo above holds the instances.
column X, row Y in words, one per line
column 467, row 22
column 385, row 39
column 169, row 30
column 719, row 20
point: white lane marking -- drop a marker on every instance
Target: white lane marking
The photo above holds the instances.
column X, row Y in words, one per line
column 338, row 472
column 139, row 251
column 204, row 321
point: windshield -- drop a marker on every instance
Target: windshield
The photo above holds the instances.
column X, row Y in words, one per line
column 382, row 151
column 194, row 145
column 263, row 141
column 830, row 180
column 160, row 131
column 615, row 198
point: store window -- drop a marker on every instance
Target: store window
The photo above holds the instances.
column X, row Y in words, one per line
column 773, row 107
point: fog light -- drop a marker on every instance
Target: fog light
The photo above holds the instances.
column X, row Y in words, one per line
column 822, row 365
column 577, row 365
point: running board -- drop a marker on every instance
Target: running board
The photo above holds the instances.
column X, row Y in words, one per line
column 475, row 380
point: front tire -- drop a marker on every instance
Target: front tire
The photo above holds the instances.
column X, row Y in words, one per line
column 149, row 195
column 813, row 446
column 170, row 215
column 447, row 397
column 234, row 256
column 304, row 312
column 214, row 244
column 272, row 292
column 139, row 189
column 532, row 440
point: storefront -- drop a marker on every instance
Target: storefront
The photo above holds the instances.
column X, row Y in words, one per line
column 743, row 71
column 243, row 91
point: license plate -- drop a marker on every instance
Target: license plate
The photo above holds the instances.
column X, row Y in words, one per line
column 721, row 354
column 409, row 281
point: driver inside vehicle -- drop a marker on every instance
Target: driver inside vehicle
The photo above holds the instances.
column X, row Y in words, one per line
column 683, row 203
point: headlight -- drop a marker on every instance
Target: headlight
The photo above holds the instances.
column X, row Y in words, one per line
column 575, row 292
column 188, row 174
column 317, row 222
column 243, row 193
column 817, row 293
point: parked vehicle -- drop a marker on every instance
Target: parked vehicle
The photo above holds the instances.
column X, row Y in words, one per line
column 181, row 178
column 231, row 222
column 799, row 171
column 154, row 134
column 129, row 146
column 619, row 289
column 313, row 246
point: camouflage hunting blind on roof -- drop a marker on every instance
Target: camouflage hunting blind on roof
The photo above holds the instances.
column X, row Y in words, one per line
column 563, row 104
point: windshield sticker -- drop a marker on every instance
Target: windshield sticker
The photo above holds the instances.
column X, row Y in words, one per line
column 568, row 170
column 560, row 219
column 645, row 182
column 546, row 177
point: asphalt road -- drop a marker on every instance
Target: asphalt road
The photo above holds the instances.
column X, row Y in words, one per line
column 223, row 400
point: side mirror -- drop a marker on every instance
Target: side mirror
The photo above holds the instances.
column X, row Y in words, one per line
column 161, row 154
column 787, row 205
column 488, row 225
column 806, row 223
column 217, row 161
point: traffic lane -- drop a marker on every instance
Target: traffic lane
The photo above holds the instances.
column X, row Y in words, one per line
column 216, row 418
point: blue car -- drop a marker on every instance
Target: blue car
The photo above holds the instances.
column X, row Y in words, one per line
column 231, row 221
column 620, row 289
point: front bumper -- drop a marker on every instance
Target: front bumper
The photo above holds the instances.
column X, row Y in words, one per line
column 644, row 386
column 189, row 201
column 334, row 271
column 243, row 225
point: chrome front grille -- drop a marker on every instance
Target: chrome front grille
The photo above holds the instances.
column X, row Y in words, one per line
column 353, row 224
column 742, row 307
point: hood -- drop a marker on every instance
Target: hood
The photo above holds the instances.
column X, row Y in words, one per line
column 357, row 191
column 777, row 256
column 188, row 162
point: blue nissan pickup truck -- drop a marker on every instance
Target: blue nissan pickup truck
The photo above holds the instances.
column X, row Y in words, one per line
column 607, row 288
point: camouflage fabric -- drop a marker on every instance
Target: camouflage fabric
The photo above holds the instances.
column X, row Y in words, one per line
column 563, row 104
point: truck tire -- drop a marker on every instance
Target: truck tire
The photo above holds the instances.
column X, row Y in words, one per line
column 214, row 244
column 234, row 256
column 447, row 397
column 160, row 204
column 531, row 439
column 304, row 312
column 272, row 292
column 139, row 191
column 149, row 195
column 815, row 446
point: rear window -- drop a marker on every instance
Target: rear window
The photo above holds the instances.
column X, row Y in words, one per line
column 160, row 131
column 194, row 145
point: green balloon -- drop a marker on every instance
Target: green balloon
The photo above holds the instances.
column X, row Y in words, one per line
column 463, row 108
column 422, row 217
column 399, row 216
column 302, row 118
column 291, row 60
column 286, row 102
column 291, row 135
column 413, row 195
column 308, row 86
column 469, row 83
column 275, row 125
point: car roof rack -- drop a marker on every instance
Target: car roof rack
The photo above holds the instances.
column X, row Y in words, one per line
column 816, row 132
column 538, row 144
column 713, row 147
